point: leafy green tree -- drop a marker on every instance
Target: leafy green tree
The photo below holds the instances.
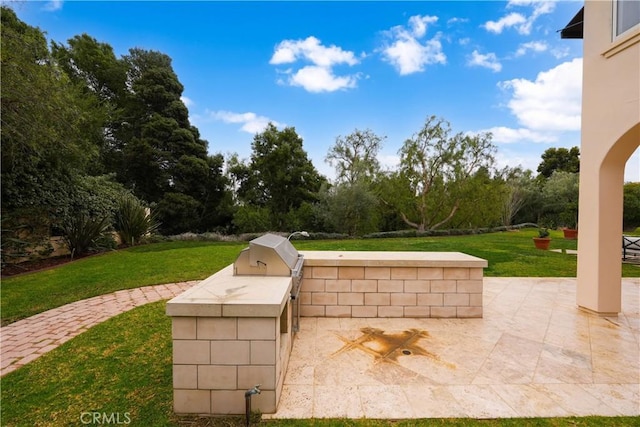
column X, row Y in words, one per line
column 215, row 197
column 481, row 196
column 178, row 213
column 348, row 209
column 631, row 215
column 559, row 159
column 518, row 186
column 78, row 110
column 159, row 127
column 355, row 156
column 101, row 76
column 148, row 140
column 279, row 175
column 252, row 219
column 94, row 65
column 47, row 131
column 560, row 197
column 438, row 170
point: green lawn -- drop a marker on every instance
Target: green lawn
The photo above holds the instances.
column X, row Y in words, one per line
column 510, row 254
column 29, row 294
column 123, row 366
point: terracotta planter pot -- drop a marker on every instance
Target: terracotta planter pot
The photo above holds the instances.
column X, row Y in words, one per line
column 570, row 233
column 542, row 242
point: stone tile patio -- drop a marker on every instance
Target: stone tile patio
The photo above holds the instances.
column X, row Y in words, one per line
column 533, row 354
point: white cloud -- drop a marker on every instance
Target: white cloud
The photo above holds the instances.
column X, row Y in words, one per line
column 187, row 101
column 457, row 21
column 251, row 122
column 520, row 22
column 540, row 7
column 550, row 103
column 310, row 49
column 464, row 41
column 547, row 109
column 505, row 22
column 489, row 61
column 320, row 79
column 419, row 23
column 534, row 46
column 320, row 76
column 53, row 5
column 560, row 52
column 407, row 53
column 505, row 135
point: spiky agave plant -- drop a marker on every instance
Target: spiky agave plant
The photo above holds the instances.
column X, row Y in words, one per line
column 81, row 232
column 134, row 220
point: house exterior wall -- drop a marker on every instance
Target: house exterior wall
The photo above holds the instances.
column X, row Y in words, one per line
column 610, row 134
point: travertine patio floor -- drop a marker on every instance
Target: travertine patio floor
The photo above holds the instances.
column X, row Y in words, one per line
column 533, row 354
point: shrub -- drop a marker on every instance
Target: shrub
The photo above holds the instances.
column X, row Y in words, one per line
column 252, row 219
column 81, row 233
column 24, row 234
column 178, row 213
column 133, row 220
column 631, row 216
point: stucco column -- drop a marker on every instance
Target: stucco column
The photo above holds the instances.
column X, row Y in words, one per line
column 599, row 242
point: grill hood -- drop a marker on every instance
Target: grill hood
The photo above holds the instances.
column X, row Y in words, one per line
column 268, row 255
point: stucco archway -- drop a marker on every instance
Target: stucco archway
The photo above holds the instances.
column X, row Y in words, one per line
column 600, row 219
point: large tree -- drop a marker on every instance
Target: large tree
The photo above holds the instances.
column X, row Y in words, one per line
column 559, row 159
column 48, row 127
column 348, row 209
column 355, row 156
column 158, row 122
column 279, row 175
column 560, row 199
column 518, row 188
column 350, row 206
column 94, row 67
column 437, row 170
column 148, row 141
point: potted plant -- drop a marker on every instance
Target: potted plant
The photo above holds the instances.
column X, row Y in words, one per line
column 570, row 231
column 543, row 240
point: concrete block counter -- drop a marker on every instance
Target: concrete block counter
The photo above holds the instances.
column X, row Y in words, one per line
column 232, row 332
column 391, row 284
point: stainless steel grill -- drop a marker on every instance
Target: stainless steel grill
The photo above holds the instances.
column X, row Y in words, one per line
column 273, row 255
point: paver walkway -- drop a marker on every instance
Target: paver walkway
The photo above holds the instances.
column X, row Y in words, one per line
column 30, row 338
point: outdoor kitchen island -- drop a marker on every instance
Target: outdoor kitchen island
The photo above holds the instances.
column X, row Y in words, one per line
column 235, row 330
column 230, row 333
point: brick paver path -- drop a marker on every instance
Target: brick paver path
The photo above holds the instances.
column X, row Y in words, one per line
column 28, row 339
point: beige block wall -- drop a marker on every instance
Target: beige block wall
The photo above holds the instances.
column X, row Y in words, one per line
column 610, row 134
column 391, row 292
column 216, row 359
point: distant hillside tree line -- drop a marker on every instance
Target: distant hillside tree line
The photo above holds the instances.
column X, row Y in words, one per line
column 92, row 142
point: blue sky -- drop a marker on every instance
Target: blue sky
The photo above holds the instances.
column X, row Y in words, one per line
column 327, row 68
